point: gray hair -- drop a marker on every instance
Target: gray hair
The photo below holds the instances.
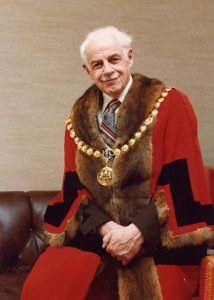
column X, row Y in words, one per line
column 123, row 38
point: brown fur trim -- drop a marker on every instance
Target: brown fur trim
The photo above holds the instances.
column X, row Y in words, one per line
column 54, row 239
column 139, row 281
column 194, row 238
column 162, row 208
column 136, row 106
column 73, row 223
column 84, row 118
column 71, row 228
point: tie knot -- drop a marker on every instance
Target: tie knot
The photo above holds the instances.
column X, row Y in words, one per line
column 112, row 106
column 108, row 126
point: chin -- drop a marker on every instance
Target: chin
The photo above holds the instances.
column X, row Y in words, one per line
column 114, row 93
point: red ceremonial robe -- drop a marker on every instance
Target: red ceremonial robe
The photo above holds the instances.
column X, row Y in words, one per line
column 67, row 273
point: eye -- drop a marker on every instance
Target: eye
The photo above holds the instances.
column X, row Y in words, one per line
column 114, row 59
column 96, row 65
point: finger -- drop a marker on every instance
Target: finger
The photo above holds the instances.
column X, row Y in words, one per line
column 106, row 240
column 125, row 261
column 119, row 258
column 113, row 255
column 109, row 249
column 122, row 259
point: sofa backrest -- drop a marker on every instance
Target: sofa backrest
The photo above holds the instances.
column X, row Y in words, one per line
column 21, row 228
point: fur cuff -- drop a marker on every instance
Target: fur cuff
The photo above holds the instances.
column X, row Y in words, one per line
column 54, row 239
column 60, row 239
column 162, row 208
column 194, row 238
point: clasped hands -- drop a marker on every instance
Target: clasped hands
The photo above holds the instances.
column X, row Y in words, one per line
column 121, row 242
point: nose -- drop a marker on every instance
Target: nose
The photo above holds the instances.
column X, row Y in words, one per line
column 107, row 68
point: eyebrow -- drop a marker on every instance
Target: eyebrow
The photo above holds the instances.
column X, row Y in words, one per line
column 96, row 61
column 108, row 58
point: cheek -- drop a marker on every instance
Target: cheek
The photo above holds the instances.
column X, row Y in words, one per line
column 94, row 75
column 97, row 75
column 122, row 70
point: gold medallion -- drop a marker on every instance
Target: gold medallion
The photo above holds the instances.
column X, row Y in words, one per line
column 104, row 177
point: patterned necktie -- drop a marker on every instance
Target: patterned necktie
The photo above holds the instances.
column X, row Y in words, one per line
column 108, row 126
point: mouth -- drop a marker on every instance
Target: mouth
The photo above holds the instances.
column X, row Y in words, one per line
column 110, row 80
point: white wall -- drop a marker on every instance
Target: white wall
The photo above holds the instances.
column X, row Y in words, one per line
column 41, row 74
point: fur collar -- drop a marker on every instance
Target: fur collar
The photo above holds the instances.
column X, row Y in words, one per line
column 135, row 107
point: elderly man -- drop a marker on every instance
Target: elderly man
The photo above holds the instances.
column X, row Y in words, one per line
column 134, row 215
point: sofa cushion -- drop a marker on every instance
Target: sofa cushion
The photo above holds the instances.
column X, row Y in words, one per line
column 11, row 285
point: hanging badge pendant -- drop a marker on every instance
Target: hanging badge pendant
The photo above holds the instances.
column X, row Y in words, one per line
column 104, row 177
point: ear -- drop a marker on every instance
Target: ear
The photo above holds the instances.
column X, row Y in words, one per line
column 88, row 72
column 130, row 56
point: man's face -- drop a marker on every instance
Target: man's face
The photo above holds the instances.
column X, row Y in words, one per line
column 108, row 66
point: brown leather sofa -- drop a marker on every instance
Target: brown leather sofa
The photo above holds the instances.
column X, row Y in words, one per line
column 21, row 242
column 21, row 238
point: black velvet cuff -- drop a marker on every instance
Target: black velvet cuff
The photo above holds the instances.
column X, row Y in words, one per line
column 93, row 217
column 147, row 221
column 90, row 243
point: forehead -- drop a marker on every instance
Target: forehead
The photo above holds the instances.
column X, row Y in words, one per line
column 103, row 48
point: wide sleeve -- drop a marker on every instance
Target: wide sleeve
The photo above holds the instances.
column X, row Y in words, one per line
column 147, row 222
column 178, row 170
column 65, row 204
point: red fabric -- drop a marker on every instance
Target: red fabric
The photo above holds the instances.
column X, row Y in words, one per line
column 61, row 274
column 178, row 282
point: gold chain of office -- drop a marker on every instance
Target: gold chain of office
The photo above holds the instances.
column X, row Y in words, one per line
column 105, row 175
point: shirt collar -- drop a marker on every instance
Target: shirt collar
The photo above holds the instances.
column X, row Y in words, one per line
column 107, row 98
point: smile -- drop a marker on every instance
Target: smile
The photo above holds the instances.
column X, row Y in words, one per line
column 111, row 79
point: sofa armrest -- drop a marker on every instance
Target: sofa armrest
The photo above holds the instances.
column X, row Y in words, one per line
column 207, row 278
column 21, row 228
